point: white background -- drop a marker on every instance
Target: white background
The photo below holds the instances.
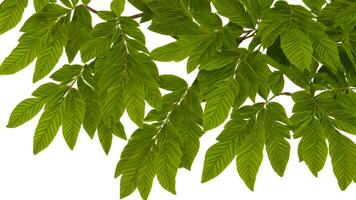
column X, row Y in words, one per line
column 87, row 173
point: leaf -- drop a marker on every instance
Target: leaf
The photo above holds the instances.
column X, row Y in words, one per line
column 176, row 51
column 145, row 175
column 273, row 23
column 249, row 156
column 297, row 48
column 234, row 10
column 217, row 158
column 342, row 152
column 51, row 51
column 105, row 137
column 172, row 83
column 25, row 52
column 276, row 130
column 325, row 51
column 25, row 111
column 218, row 61
column 168, row 160
column 135, row 101
column 11, row 13
column 118, row 6
column 39, row 4
column 67, row 73
column 218, row 103
column 314, row 4
column 79, row 30
column 47, row 128
column 313, row 146
column 94, row 48
column 73, row 116
column 276, row 80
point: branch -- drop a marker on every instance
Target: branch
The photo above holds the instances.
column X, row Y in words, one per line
column 96, row 12
column 248, row 34
column 137, row 15
column 91, row 9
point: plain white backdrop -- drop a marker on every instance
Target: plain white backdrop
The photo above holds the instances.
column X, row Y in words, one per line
column 87, row 173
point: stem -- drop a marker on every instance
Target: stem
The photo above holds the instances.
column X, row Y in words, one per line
column 281, row 94
column 90, row 9
column 249, row 34
column 137, row 15
column 96, row 12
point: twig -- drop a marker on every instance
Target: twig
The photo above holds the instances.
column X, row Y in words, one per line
column 137, row 15
column 91, row 9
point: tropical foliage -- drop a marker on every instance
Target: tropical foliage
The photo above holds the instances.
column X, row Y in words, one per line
column 311, row 45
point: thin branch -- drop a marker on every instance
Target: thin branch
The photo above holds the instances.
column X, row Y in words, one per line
column 91, row 9
column 96, row 12
column 248, row 34
column 137, row 15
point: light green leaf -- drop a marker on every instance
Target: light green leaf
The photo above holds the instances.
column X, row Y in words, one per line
column 134, row 98
column 47, row 128
column 94, row 48
column 250, row 154
column 25, row 111
column 235, row 11
column 39, row 4
column 297, row 47
column 217, row 158
column 219, row 103
column 105, row 137
column 313, row 146
column 343, row 159
column 11, row 13
column 73, row 116
column 168, row 159
column 23, row 55
column 326, row 51
column 51, row 51
column 145, row 175
column 118, row 6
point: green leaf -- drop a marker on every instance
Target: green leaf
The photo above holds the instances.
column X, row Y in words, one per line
column 67, row 73
column 51, row 51
column 94, row 48
column 217, row 158
column 326, row 51
column 23, row 55
column 11, row 13
column 105, row 137
column 297, row 47
column 343, row 157
column 168, row 159
column 276, row 80
column 39, row 4
column 276, row 130
column 47, row 128
column 235, row 11
column 73, row 116
column 25, row 111
column 135, row 101
column 79, row 30
column 219, row 103
column 145, row 175
column 176, row 51
column 314, row 4
column 250, row 154
column 313, row 146
column 118, row 6
column 218, row 61
column 172, row 83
